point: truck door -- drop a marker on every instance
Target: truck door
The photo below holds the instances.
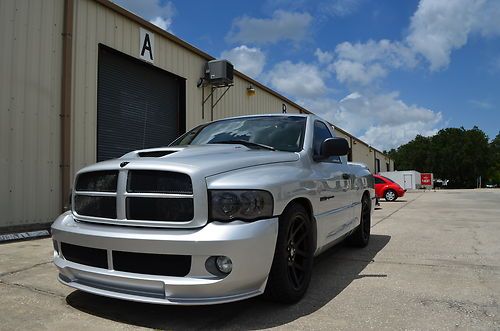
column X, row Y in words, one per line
column 334, row 185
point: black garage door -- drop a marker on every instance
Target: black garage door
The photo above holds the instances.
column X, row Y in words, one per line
column 138, row 105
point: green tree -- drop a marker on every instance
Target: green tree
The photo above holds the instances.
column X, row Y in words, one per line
column 494, row 169
column 414, row 155
column 456, row 154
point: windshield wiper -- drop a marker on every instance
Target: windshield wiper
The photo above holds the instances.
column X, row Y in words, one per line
column 245, row 143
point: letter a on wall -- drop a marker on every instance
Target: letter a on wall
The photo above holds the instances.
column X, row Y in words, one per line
column 147, row 45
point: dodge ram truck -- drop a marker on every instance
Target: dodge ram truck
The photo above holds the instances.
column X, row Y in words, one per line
column 232, row 209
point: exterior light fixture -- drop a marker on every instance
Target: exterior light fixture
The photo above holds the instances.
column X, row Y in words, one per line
column 250, row 90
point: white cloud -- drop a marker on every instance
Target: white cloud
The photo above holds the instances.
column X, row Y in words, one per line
column 392, row 54
column 162, row 23
column 488, row 22
column 283, row 25
column 386, row 137
column 439, row 27
column 248, row 60
column 387, row 109
column 298, row 80
column 384, row 120
column 323, row 57
column 339, row 7
column 157, row 12
column 357, row 73
column 320, row 8
column 364, row 63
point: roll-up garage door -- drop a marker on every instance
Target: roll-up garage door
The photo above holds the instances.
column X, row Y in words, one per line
column 138, row 105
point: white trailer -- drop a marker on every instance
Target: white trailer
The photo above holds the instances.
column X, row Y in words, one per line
column 407, row 179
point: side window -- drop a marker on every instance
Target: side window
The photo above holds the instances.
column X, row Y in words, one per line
column 378, row 180
column 321, row 133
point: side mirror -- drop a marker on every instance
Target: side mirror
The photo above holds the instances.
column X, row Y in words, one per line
column 334, row 147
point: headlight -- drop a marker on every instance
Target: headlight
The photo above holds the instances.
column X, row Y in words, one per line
column 239, row 204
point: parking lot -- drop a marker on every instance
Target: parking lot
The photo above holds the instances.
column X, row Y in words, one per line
column 433, row 262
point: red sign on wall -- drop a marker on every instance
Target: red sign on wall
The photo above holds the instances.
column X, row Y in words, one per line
column 426, row 179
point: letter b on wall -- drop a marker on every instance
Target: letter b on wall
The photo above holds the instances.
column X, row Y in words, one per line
column 146, row 45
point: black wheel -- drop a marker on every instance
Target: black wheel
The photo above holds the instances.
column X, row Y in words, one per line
column 390, row 195
column 293, row 257
column 361, row 236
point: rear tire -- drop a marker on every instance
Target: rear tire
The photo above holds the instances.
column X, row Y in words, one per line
column 390, row 195
column 361, row 236
column 293, row 257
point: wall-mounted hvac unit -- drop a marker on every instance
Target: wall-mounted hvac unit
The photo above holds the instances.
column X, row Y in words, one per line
column 219, row 72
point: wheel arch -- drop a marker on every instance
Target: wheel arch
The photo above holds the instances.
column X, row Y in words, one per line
column 306, row 203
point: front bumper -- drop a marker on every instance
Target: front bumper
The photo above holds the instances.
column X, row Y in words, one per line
column 249, row 245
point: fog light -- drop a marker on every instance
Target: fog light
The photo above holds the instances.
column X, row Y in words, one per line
column 224, row 264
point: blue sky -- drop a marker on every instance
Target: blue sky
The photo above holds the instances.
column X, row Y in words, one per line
column 382, row 70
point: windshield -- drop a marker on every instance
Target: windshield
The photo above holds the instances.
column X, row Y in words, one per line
column 283, row 133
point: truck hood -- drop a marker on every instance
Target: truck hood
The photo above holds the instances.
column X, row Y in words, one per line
column 204, row 160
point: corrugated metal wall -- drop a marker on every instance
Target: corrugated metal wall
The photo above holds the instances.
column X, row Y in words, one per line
column 383, row 162
column 95, row 24
column 30, row 97
column 30, row 80
column 363, row 153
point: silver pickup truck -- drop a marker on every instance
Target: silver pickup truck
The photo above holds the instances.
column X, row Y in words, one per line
column 230, row 210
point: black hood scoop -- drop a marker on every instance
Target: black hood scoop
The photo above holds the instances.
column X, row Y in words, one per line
column 155, row 153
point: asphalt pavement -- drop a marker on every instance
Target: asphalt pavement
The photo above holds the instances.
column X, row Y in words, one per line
column 433, row 262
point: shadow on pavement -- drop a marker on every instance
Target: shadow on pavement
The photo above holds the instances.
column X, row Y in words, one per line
column 333, row 271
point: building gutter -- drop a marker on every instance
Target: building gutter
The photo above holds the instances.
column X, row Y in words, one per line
column 65, row 115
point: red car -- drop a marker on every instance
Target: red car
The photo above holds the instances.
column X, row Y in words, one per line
column 387, row 188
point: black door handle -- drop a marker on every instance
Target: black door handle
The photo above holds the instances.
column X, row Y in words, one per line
column 346, row 176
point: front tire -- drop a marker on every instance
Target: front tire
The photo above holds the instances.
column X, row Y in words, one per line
column 361, row 236
column 390, row 195
column 293, row 257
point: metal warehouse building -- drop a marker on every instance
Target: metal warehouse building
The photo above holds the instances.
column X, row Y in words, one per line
column 77, row 77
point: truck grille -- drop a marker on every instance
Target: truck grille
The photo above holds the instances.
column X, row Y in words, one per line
column 147, row 181
column 93, row 257
column 95, row 206
column 152, row 264
column 97, row 181
column 177, row 210
column 133, row 196
column 141, row 263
